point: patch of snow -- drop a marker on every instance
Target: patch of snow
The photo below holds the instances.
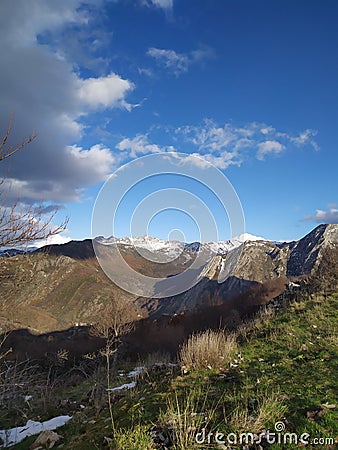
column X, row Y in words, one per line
column 15, row 435
column 136, row 372
column 123, row 386
column 175, row 248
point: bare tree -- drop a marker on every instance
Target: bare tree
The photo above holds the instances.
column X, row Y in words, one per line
column 112, row 323
column 113, row 320
column 21, row 225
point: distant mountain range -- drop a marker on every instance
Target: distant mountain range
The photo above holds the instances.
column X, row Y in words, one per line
column 76, row 248
column 59, row 285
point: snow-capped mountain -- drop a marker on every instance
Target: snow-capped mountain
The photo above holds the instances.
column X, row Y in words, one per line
column 154, row 244
column 39, row 284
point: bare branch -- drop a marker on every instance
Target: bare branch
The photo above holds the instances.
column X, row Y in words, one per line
column 113, row 321
column 20, row 226
column 6, row 152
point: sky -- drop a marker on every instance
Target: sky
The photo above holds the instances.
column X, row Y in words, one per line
column 249, row 86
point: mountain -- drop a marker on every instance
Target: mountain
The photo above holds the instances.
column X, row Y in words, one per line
column 61, row 285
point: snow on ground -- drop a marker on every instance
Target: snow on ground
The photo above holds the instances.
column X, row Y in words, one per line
column 123, row 386
column 132, row 374
column 14, row 435
column 136, row 372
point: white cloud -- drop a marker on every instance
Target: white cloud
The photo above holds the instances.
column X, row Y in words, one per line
column 324, row 216
column 98, row 160
column 49, row 96
column 166, row 5
column 267, row 147
column 267, row 130
column 221, row 146
column 224, row 160
column 52, row 240
column 105, row 92
column 140, row 145
column 81, row 167
column 178, row 63
column 145, row 71
column 214, row 138
column 306, row 137
column 61, row 179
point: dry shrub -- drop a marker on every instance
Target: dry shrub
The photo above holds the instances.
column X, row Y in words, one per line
column 210, row 349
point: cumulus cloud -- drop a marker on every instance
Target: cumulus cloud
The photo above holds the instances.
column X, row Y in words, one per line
column 105, row 92
column 267, row 147
column 48, row 95
column 57, row 239
column 178, row 63
column 80, row 168
column 324, row 216
column 140, row 145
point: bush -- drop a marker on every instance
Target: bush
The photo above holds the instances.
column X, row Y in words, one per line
column 210, row 349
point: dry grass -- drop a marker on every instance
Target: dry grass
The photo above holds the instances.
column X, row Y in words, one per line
column 155, row 359
column 211, row 349
column 137, row 438
column 259, row 322
column 186, row 415
column 255, row 412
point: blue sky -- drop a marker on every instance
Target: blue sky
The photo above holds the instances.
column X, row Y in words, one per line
column 251, row 86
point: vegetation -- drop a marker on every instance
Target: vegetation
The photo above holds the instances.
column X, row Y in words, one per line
column 280, row 367
column 325, row 277
column 211, row 349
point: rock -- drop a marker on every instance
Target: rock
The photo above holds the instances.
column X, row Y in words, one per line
column 46, row 439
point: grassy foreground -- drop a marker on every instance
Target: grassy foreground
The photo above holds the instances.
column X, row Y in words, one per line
column 279, row 370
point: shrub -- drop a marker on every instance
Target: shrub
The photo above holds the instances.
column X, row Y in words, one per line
column 210, row 349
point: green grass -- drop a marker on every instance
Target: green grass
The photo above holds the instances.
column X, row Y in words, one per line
column 285, row 363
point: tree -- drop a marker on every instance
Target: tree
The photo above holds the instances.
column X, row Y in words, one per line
column 112, row 323
column 21, row 225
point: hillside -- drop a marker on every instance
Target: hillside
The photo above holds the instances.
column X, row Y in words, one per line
column 62, row 285
column 45, row 292
column 277, row 370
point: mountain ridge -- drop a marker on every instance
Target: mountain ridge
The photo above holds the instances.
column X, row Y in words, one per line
column 61, row 285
